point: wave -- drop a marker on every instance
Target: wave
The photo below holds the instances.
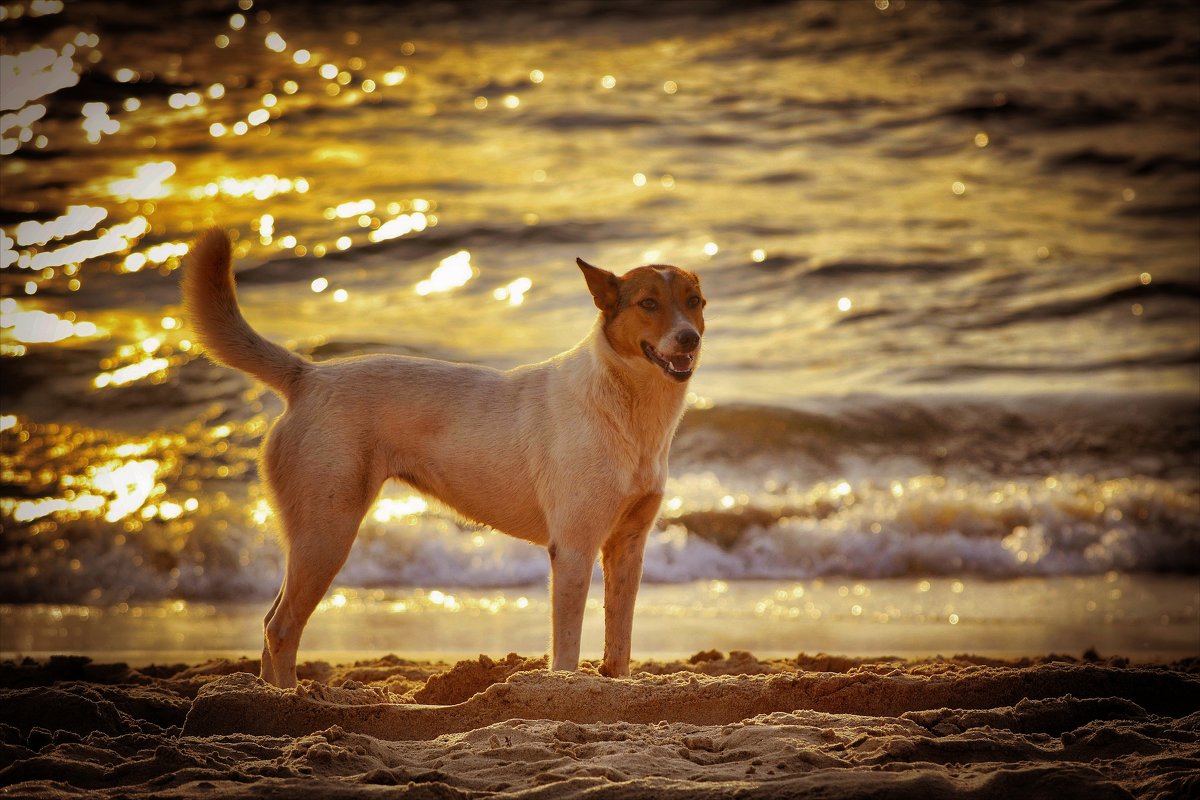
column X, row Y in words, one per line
column 920, row 526
column 780, row 177
column 1106, row 436
column 1092, row 158
column 930, row 525
column 860, row 487
column 847, row 268
column 945, row 373
column 924, row 525
column 1070, row 111
column 1184, row 209
column 580, row 120
column 1065, row 307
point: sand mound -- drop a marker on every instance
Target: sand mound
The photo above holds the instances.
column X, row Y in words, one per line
column 468, row 678
column 239, row 703
column 710, row 726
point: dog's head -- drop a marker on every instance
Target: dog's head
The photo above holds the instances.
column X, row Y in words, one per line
column 654, row 313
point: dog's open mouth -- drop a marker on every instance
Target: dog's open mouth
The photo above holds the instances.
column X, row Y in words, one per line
column 678, row 367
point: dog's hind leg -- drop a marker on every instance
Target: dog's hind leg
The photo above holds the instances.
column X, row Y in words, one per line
column 621, row 559
column 319, row 533
column 267, row 670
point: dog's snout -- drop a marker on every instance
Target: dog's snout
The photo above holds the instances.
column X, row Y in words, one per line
column 688, row 340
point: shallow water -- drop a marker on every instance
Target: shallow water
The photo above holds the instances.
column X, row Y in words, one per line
column 949, row 249
column 1143, row 617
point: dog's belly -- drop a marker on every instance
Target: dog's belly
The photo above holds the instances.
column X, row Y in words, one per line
column 475, row 473
column 484, row 497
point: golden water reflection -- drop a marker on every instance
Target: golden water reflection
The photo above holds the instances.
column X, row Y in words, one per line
column 33, row 326
column 116, row 480
column 311, row 143
column 1151, row 620
column 452, row 272
column 40, row 72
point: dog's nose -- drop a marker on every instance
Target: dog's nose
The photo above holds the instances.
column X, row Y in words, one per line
column 687, row 340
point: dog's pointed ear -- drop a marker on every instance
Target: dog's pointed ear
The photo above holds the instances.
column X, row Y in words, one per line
column 604, row 286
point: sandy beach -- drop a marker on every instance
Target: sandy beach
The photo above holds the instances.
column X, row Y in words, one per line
column 713, row 725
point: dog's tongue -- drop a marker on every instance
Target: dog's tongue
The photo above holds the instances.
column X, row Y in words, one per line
column 680, row 363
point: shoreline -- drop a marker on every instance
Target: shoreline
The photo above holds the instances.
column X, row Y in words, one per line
column 1145, row 617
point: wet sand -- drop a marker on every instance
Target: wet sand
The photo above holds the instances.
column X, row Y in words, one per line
column 711, row 725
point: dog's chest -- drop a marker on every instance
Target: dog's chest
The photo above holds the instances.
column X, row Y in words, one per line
column 643, row 461
column 652, row 480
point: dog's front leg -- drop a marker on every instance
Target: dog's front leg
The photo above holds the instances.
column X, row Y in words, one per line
column 570, row 576
column 621, row 558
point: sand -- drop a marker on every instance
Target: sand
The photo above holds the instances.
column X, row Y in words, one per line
column 710, row 726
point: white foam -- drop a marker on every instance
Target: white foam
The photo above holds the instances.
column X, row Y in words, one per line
column 714, row 527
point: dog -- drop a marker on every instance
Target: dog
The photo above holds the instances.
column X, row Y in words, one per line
column 570, row 453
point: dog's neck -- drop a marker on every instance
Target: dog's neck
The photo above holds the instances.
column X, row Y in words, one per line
column 652, row 402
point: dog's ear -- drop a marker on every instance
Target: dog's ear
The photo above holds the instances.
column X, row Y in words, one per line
column 604, row 286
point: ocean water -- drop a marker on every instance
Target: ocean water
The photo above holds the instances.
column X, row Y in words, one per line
column 950, row 251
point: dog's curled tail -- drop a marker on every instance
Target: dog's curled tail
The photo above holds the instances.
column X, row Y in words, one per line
column 211, row 304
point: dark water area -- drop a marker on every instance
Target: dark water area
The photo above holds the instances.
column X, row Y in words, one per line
column 951, row 251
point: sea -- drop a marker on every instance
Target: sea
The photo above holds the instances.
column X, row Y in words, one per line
column 951, row 252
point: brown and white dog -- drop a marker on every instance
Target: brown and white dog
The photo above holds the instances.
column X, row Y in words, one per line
column 570, row 453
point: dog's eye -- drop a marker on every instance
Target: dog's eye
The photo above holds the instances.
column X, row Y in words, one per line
column 649, row 304
column 693, row 301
